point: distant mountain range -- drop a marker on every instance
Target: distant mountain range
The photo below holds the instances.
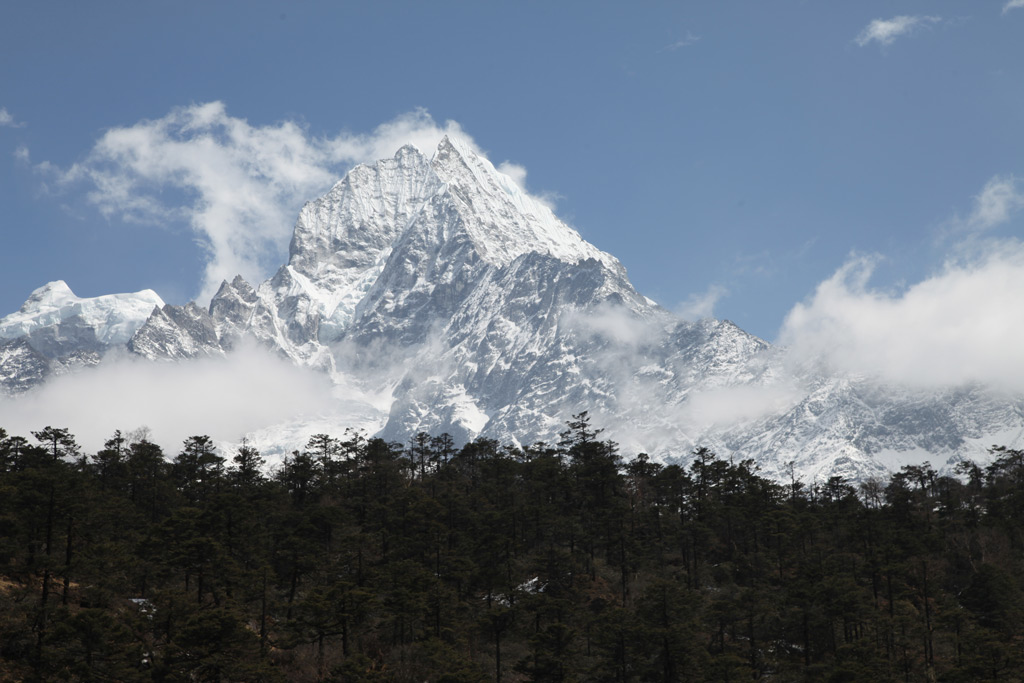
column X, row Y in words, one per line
column 440, row 297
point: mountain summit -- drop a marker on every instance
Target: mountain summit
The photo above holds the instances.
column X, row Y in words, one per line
column 441, row 297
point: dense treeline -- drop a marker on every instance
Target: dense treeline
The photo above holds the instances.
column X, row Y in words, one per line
column 362, row 560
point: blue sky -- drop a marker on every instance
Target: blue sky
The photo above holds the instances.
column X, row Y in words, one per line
column 838, row 163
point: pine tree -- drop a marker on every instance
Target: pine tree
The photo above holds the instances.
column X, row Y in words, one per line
column 198, row 470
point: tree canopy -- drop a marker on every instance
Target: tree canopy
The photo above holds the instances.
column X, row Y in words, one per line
column 364, row 560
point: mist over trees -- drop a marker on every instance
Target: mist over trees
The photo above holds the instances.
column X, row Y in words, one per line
column 364, row 560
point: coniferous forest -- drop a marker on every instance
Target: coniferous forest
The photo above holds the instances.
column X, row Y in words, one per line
column 363, row 560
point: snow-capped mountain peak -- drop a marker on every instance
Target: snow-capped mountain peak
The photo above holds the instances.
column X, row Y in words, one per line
column 53, row 318
column 508, row 221
column 51, row 295
column 440, row 296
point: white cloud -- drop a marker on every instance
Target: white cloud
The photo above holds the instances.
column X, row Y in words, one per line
column 7, row 119
column 686, row 41
column 21, row 154
column 885, row 31
column 997, row 201
column 960, row 326
column 238, row 185
column 517, row 173
column 225, row 398
column 514, row 171
column 1013, row 4
column 615, row 323
column 701, row 305
column 728, row 406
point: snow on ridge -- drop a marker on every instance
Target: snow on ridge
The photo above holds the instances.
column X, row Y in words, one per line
column 528, row 224
column 114, row 317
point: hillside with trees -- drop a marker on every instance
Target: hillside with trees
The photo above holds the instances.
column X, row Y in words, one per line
column 365, row 560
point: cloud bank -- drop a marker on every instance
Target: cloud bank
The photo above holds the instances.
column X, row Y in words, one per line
column 225, row 398
column 886, row 31
column 238, row 185
column 960, row 326
column 729, row 406
column 1013, row 4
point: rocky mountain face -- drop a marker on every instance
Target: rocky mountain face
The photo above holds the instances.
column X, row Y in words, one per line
column 438, row 284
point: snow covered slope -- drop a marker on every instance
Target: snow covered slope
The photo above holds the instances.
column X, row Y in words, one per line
column 53, row 319
column 439, row 296
column 56, row 332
